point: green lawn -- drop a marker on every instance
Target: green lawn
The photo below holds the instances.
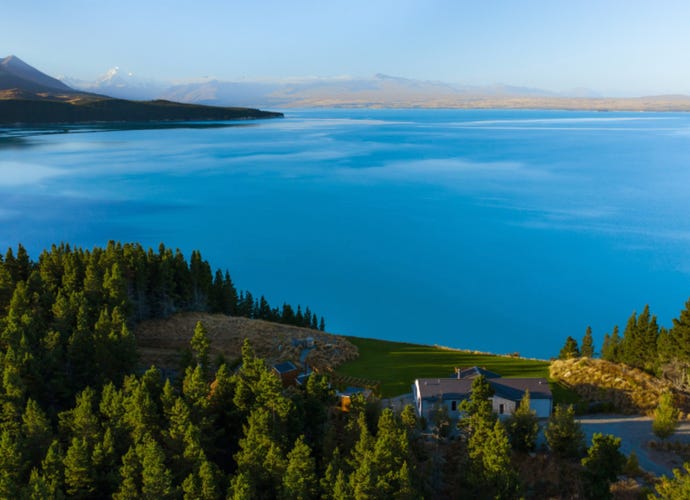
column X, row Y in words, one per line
column 398, row 364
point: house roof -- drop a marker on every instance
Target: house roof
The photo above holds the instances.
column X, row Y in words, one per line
column 514, row 388
column 473, row 372
column 284, row 367
column 444, row 388
column 351, row 391
column 507, row 388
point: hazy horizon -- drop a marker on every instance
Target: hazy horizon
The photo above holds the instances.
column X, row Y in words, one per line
column 611, row 48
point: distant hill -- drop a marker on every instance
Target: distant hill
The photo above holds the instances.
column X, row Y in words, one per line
column 28, row 96
column 378, row 91
column 16, row 74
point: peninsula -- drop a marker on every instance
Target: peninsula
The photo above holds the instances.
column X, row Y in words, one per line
column 28, row 96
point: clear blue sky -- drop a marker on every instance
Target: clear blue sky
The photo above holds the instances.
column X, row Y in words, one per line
column 616, row 47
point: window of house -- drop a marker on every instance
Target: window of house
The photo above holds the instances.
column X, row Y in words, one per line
column 454, row 406
column 501, row 409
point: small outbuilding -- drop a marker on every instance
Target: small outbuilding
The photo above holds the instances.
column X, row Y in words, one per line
column 287, row 372
column 345, row 397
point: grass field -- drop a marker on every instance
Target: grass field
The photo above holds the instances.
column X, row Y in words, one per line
column 396, row 365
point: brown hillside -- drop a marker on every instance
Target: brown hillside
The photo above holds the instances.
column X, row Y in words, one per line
column 628, row 389
column 160, row 342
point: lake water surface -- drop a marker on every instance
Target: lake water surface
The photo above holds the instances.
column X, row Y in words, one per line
column 500, row 231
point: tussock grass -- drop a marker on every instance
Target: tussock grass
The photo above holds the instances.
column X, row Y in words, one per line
column 625, row 389
column 161, row 341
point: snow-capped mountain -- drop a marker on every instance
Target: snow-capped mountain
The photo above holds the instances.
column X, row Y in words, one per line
column 120, row 83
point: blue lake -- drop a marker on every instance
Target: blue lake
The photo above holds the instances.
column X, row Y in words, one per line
column 500, row 231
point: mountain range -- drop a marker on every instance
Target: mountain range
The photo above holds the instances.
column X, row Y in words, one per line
column 378, row 91
column 28, row 96
column 141, row 99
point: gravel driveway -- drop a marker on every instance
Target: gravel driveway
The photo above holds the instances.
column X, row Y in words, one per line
column 635, row 432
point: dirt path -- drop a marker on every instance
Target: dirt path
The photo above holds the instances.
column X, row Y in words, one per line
column 635, row 432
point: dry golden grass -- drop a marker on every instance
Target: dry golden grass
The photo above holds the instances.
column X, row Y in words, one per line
column 161, row 341
column 627, row 389
column 628, row 489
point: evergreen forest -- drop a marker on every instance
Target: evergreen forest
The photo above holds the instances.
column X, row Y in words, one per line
column 79, row 418
column 663, row 352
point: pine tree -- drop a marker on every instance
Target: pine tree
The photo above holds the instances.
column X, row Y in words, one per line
column 649, row 337
column 247, row 378
column 362, row 481
column 112, row 411
column 639, row 344
column 523, row 426
column 677, row 487
column 603, row 463
column 587, row 346
column 36, row 432
column 209, row 481
column 37, row 488
column 81, row 421
column 680, row 334
column 241, row 488
column 665, row 417
column 499, row 475
column 630, row 343
column 130, row 476
column 6, row 288
column 341, row 488
column 408, row 418
column 115, row 287
column 288, row 315
column 104, row 458
column 200, row 345
column 479, row 403
column 80, row 481
column 52, row 469
column 195, row 389
column 330, row 475
column 299, row 479
column 406, row 489
column 229, row 295
column 390, row 453
column 11, row 465
column 260, row 459
column 23, row 264
column 176, row 437
column 610, row 350
column 156, row 479
column 563, row 434
column 570, row 349
column 142, row 414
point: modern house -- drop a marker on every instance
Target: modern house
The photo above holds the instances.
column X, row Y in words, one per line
column 429, row 392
